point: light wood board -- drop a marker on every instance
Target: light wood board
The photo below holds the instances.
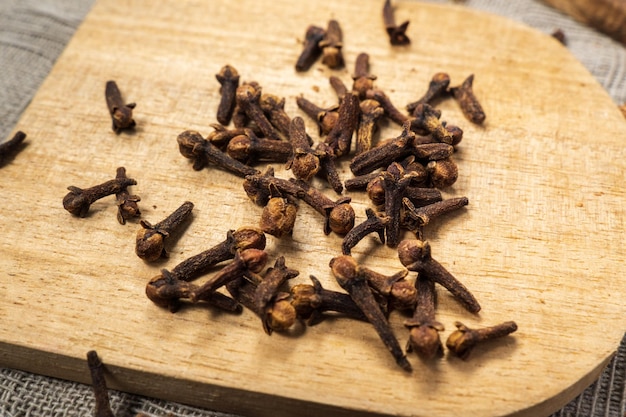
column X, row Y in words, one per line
column 541, row 242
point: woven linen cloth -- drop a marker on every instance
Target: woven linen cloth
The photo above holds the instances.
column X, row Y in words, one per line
column 32, row 35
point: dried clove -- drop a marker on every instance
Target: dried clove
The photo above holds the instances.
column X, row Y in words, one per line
column 102, row 407
column 121, row 113
column 228, row 77
column 167, row 291
column 470, row 106
column 396, row 292
column 78, row 200
column 331, row 44
column 374, row 224
column 353, row 278
column 360, row 182
column 274, row 109
column 247, row 260
column 248, row 96
column 126, row 203
column 397, row 34
column 236, row 241
column 267, row 290
column 304, row 162
column 384, row 154
column 339, row 87
column 312, row 301
column 442, row 172
column 328, row 166
column 395, row 181
column 221, row 136
column 417, row 217
column 415, row 255
column 311, row 50
column 391, row 111
column 149, row 244
column 363, row 80
column 279, row 214
column 326, row 119
column 437, row 87
column 258, row 187
column 371, row 111
column 338, row 215
column 427, row 120
column 423, row 328
column 10, row 146
column 250, row 149
column 463, row 340
column 193, row 146
column 340, row 137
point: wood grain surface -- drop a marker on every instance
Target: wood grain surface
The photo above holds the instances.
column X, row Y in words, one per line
column 541, row 241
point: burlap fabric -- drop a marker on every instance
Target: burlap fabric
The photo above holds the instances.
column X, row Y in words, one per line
column 32, row 35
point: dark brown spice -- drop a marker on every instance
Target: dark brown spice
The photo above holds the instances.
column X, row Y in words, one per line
column 415, row 255
column 304, row 162
column 326, row 119
column 78, row 200
column 279, row 214
column 312, row 301
column 417, row 217
column 397, row 34
column 370, row 112
column 311, row 50
column 267, row 291
column 102, row 407
column 228, row 77
column 259, row 186
column 248, row 260
column 436, row 88
column 248, row 96
column 391, row 111
column 166, row 291
column 250, row 149
column 274, row 108
column 340, row 88
column 150, row 241
column 353, row 278
column 442, row 172
column 193, row 146
column 463, row 340
column 397, row 293
column 426, row 118
column 11, row 146
column 236, row 240
column 121, row 113
column 331, row 44
column 374, row 224
column 127, row 207
column 328, row 166
column 423, row 328
column 360, row 182
column 363, row 80
column 340, row 137
column 395, row 181
column 339, row 215
column 220, row 136
column 470, row 106
column 384, row 154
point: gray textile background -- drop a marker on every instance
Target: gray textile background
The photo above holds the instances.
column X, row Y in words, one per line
column 32, row 35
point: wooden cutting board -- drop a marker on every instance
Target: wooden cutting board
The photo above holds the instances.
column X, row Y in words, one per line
column 541, row 242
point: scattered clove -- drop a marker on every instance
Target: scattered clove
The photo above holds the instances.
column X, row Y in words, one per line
column 423, row 328
column 312, row 301
column 397, row 34
column 437, row 87
column 102, row 407
column 371, row 111
column 363, row 80
column 395, row 181
column 126, row 203
column 338, row 215
column 311, row 50
column 326, row 119
column 193, row 146
column 442, row 173
column 248, row 96
column 304, row 162
column 470, row 106
column 415, row 255
column 279, row 214
column 374, row 224
column 426, row 118
column 339, row 87
column 415, row 218
column 463, row 340
column 353, row 278
column 228, row 77
column 268, row 290
column 340, row 137
column 12, row 145
column 328, row 166
column 331, row 44
column 250, row 149
column 78, row 200
column 221, row 136
column 121, row 113
column 149, row 244
column 391, row 111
